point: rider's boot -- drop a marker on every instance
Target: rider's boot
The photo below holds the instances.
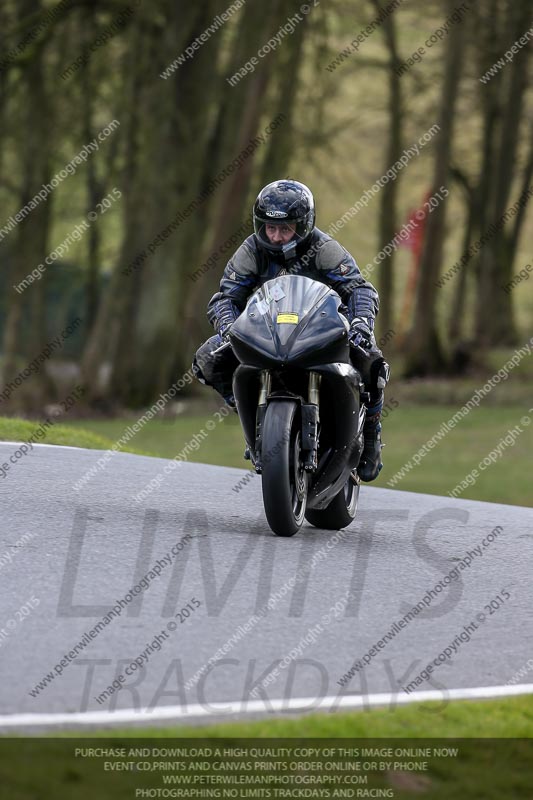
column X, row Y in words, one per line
column 229, row 399
column 370, row 463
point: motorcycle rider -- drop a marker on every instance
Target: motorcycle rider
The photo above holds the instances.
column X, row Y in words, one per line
column 286, row 241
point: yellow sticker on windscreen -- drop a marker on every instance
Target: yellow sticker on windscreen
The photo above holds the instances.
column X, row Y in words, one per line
column 292, row 318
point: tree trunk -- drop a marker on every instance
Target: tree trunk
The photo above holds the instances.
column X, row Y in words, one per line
column 494, row 310
column 424, row 353
column 94, row 186
column 388, row 194
column 31, row 236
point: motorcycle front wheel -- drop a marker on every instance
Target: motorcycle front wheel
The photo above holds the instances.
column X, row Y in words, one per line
column 284, row 480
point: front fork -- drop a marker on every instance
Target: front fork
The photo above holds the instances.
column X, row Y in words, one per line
column 264, row 390
column 310, row 420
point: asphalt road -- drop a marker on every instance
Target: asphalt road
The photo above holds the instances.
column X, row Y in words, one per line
column 67, row 557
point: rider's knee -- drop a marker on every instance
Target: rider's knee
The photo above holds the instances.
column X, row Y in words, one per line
column 202, row 365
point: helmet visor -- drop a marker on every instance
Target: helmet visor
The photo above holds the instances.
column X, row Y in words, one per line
column 274, row 234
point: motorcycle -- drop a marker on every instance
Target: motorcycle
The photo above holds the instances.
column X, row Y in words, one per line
column 299, row 400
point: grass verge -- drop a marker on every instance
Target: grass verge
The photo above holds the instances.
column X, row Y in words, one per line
column 20, row 430
column 496, row 719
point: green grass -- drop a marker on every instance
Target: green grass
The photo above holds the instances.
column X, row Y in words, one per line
column 165, row 438
column 505, row 481
column 19, row 430
column 500, row 719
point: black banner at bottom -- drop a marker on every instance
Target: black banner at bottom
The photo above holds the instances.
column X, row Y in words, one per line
column 430, row 769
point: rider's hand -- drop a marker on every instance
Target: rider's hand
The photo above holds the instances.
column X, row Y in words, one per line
column 360, row 334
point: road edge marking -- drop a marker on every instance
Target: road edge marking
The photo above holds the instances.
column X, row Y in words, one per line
column 222, row 709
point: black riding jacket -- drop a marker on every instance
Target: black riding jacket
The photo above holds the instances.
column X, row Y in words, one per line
column 321, row 258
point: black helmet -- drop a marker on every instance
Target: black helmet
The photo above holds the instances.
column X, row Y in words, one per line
column 284, row 202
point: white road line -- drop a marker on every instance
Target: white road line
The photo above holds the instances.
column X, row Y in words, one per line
column 331, row 703
column 57, row 446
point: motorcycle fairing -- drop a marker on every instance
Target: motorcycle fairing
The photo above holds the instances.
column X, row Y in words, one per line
column 291, row 320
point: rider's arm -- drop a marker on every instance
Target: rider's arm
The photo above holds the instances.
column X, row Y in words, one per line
column 342, row 274
column 238, row 282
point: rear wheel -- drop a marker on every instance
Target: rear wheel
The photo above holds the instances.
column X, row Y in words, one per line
column 341, row 511
column 283, row 478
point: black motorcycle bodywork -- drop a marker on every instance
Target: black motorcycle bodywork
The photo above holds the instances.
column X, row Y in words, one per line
column 292, row 344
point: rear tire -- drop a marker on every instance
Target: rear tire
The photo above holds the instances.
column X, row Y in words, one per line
column 341, row 511
column 284, row 481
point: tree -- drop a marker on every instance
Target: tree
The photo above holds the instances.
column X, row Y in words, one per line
column 388, row 194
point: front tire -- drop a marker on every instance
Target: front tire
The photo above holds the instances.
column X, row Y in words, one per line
column 284, row 480
column 341, row 511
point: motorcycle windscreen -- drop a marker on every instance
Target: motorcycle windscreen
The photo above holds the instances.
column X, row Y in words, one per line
column 288, row 318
